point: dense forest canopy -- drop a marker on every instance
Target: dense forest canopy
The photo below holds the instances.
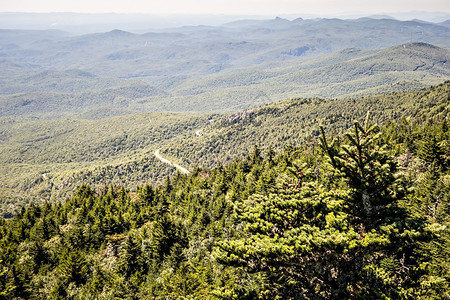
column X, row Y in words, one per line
column 360, row 215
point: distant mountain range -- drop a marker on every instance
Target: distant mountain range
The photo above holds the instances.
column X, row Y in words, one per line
column 29, row 89
column 79, row 23
column 238, row 65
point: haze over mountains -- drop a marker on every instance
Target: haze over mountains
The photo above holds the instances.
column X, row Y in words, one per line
column 81, row 23
column 235, row 66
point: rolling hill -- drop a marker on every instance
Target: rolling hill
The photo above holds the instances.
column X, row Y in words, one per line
column 48, row 159
column 230, row 67
column 348, row 73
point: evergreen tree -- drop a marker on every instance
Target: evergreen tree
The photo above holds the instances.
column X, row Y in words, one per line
column 350, row 241
column 370, row 172
column 6, row 285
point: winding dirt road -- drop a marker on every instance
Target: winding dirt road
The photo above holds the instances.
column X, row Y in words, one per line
column 166, row 161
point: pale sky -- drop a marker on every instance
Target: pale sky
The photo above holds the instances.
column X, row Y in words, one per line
column 247, row 7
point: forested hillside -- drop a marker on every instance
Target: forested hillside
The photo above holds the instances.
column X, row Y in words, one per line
column 294, row 122
column 360, row 215
column 48, row 159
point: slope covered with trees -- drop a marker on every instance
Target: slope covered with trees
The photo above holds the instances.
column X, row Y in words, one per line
column 47, row 159
column 294, row 121
column 360, row 215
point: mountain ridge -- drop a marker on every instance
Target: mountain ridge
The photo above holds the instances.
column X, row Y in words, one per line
column 120, row 149
column 356, row 71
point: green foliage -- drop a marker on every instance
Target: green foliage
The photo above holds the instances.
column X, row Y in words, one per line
column 370, row 172
column 362, row 215
column 63, row 154
column 6, row 286
column 348, row 241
